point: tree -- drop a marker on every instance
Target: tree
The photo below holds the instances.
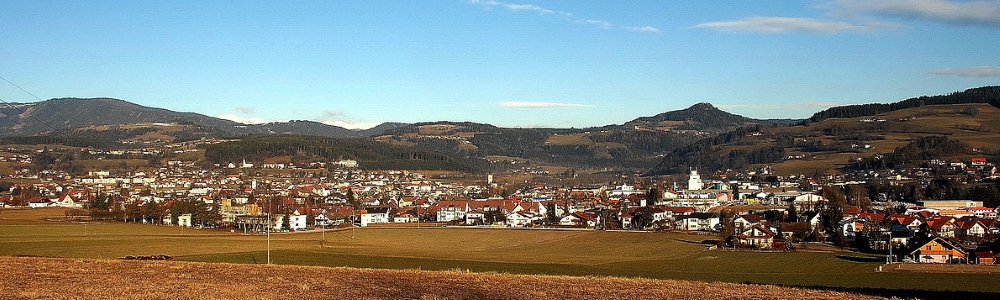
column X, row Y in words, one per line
column 152, row 212
column 286, row 222
column 970, row 111
column 793, row 213
column 653, row 196
column 352, row 200
column 550, row 213
column 43, row 160
column 736, row 192
column 832, row 212
column 728, row 228
column 858, row 197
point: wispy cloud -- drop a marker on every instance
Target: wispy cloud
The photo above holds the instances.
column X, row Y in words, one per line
column 600, row 23
column 515, row 7
column 649, row 29
column 243, row 119
column 519, row 7
column 983, row 71
column 329, row 113
column 247, row 110
column 982, row 13
column 782, row 24
column 522, row 104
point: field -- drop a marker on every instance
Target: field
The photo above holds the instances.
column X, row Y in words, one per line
column 55, row 278
column 537, row 252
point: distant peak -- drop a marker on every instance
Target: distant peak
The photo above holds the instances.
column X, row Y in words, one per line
column 703, row 105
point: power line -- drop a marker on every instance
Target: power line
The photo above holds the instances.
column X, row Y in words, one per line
column 24, row 111
column 20, row 88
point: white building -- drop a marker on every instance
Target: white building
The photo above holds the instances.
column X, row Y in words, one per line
column 694, row 181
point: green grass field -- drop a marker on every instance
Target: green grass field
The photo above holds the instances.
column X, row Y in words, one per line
column 578, row 253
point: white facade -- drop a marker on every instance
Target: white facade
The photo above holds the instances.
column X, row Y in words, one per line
column 297, row 222
column 694, row 181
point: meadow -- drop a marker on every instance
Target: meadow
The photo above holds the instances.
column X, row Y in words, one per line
column 673, row 256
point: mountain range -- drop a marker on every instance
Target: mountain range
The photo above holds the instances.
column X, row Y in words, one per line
column 662, row 142
column 69, row 114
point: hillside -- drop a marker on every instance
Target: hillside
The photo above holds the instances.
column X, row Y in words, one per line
column 56, row 278
column 70, row 113
column 986, row 94
column 64, row 115
column 972, row 129
column 305, row 149
column 113, row 123
column 634, row 145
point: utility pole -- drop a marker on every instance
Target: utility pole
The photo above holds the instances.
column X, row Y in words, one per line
column 268, row 229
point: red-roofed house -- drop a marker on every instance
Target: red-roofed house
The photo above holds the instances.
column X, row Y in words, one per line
column 970, row 227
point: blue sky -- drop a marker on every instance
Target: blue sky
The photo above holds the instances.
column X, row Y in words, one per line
column 517, row 63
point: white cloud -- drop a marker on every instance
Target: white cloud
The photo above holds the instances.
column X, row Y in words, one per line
column 600, row 23
column 983, row 71
column 529, row 7
column 567, row 15
column 952, row 12
column 242, row 119
column 350, row 125
column 518, row 7
column 782, row 24
column 650, row 29
column 521, row 104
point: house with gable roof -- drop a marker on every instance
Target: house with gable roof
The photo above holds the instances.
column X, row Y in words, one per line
column 937, row 250
column 970, row 227
column 756, row 236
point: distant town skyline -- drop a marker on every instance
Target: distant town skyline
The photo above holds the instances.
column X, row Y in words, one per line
column 356, row 64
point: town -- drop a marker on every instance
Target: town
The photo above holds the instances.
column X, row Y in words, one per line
column 747, row 211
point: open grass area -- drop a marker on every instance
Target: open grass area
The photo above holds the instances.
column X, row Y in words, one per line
column 548, row 252
column 569, row 139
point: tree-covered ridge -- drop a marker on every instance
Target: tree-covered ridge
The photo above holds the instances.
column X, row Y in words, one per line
column 369, row 154
column 114, row 137
column 732, row 150
column 986, row 94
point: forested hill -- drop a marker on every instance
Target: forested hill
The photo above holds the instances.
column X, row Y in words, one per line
column 986, row 94
column 66, row 117
column 701, row 116
column 305, row 149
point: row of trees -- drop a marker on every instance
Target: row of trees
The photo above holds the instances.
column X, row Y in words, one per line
column 987, row 94
column 115, row 208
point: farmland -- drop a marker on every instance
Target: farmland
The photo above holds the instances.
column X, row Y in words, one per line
column 110, row 279
column 538, row 252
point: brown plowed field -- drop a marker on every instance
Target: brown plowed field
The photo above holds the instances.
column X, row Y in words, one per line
column 61, row 278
